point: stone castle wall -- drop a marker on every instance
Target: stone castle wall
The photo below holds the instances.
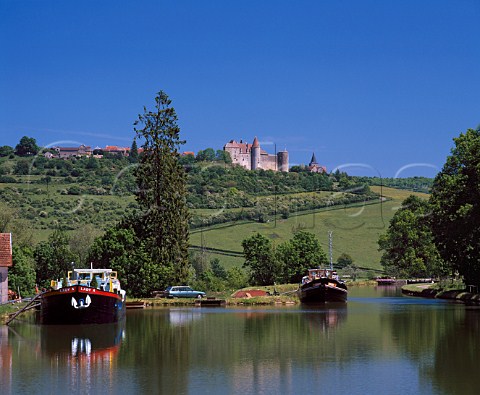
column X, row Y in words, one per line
column 241, row 154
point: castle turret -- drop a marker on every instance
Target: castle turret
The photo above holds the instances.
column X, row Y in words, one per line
column 255, row 157
column 282, row 161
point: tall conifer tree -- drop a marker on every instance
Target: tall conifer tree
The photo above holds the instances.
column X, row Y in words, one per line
column 134, row 152
column 161, row 193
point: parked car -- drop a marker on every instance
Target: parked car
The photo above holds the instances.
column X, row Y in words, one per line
column 183, row 291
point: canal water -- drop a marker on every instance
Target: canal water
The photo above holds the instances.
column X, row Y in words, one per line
column 380, row 342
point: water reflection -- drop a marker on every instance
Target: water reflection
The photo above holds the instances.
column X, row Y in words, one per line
column 325, row 317
column 456, row 357
column 379, row 340
column 5, row 358
column 82, row 342
column 182, row 317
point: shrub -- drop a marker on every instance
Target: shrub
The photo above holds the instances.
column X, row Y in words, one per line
column 8, row 179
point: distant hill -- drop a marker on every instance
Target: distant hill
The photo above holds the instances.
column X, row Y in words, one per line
column 66, row 193
column 227, row 203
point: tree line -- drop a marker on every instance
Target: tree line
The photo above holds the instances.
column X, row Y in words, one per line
column 440, row 236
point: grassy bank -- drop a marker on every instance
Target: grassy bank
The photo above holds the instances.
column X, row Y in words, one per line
column 439, row 292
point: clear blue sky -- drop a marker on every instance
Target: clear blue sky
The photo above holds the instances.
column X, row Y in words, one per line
column 384, row 84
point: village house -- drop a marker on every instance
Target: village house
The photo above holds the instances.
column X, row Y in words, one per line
column 116, row 150
column 76, row 152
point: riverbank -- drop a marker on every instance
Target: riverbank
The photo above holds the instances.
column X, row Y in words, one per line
column 283, row 294
column 430, row 291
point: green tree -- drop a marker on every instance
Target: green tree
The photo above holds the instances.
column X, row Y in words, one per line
column 92, row 163
column 134, row 152
column 7, row 216
column 199, row 261
column 408, row 244
column 217, row 269
column 352, row 271
column 6, row 150
column 80, row 242
column 47, row 180
column 344, row 260
column 187, row 160
column 120, row 249
column 260, row 260
column 161, row 182
column 53, row 259
column 207, row 154
column 19, row 228
column 26, row 147
column 455, row 200
column 236, row 278
column 21, row 276
column 22, row 167
column 223, row 156
column 299, row 254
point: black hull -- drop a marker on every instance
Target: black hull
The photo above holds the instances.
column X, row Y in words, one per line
column 79, row 305
column 321, row 291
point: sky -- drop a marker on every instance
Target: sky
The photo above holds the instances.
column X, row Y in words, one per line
column 372, row 87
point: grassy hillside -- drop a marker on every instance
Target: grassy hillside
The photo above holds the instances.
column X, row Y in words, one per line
column 355, row 230
column 230, row 203
column 54, row 193
column 47, row 209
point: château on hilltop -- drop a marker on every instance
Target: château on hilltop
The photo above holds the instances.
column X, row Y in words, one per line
column 252, row 157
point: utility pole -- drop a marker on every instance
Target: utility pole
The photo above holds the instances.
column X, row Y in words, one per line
column 275, row 186
column 330, row 247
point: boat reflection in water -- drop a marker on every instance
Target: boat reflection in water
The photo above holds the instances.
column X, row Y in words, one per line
column 325, row 317
column 183, row 317
column 82, row 342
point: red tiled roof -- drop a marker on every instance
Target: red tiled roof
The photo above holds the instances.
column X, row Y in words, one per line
column 245, row 147
column 115, row 148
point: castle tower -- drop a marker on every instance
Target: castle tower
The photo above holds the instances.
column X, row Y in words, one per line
column 282, row 161
column 255, row 156
column 313, row 161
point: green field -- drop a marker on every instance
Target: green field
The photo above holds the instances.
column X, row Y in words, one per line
column 355, row 230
